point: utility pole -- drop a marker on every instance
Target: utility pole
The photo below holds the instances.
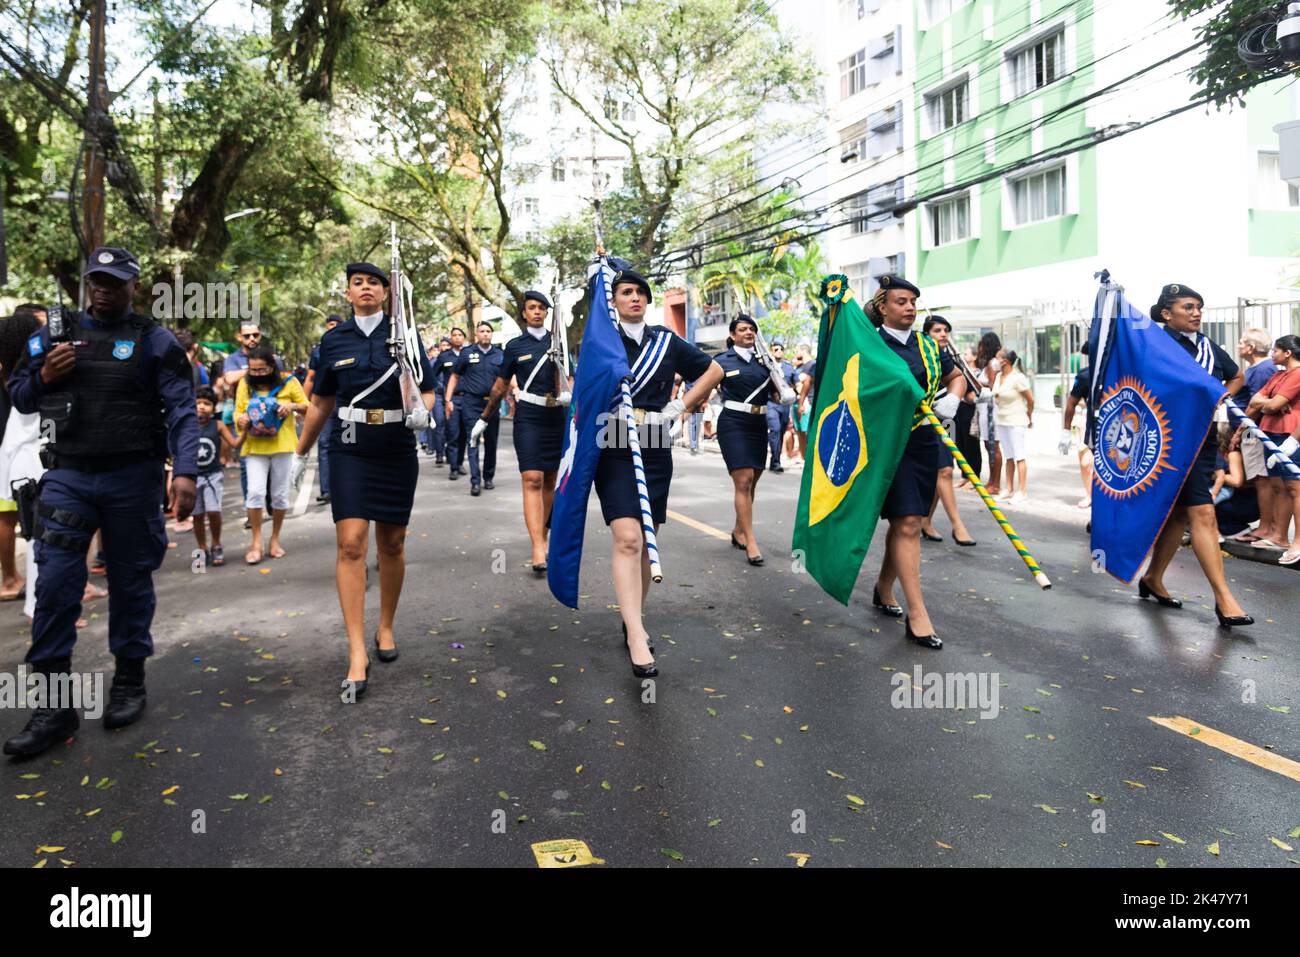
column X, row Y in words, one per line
column 92, row 201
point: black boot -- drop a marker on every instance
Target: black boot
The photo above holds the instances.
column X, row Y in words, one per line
column 47, row 726
column 126, row 698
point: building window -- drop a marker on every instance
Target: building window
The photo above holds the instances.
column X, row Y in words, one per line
column 1038, row 196
column 629, row 176
column 1037, row 65
column 938, row 9
column 858, row 210
column 853, row 143
column 1047, row 347
column 851, row 10
column 948, row 107
column 1271, row 190
column 885, row 131
column 557, row 171
column 853, row 74
column 532, row 206
column 949, row 221
column 629, row 112
column 610, row 106
column 872, row 209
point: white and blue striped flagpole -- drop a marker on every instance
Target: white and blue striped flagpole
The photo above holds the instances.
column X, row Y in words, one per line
column 634, row 444
column 1235, row 410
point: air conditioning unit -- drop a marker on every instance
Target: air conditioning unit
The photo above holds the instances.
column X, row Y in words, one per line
column 1288, row 144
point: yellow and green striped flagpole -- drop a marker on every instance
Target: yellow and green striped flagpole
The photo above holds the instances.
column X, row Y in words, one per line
column 1016, row 541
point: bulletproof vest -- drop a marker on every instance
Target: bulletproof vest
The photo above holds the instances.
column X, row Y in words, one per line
column 105, row 408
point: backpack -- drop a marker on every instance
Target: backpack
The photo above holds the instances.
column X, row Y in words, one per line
column 264, row 412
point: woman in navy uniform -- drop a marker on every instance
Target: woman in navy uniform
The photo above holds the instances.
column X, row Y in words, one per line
column 907, row 503
column 373, row 464
column 742, row 426
column 615, row 480
column 1179, row 308
column 539, row 417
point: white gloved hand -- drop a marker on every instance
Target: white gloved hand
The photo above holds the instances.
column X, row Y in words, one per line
column 1288, row 448
column 673, row 410
column 564, row 398
column 1066, row 441
column 946, row 408
column 788, row 396
column 296, row 470
column 417, row 419
column 476, row 433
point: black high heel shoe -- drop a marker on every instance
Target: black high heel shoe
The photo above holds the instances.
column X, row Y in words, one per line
column 386, row 655
column 964, row 542
column 539, row 569
column 1236, row 621
column 649, row 641
column 893, row 611
column 358, row 688
column 641, row 671
column 925, row 641
column 754, row 560
column 736, row 544
column 931, row 538
column 1145, row 592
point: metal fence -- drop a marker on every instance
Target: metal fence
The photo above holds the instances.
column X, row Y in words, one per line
column 1226, row 324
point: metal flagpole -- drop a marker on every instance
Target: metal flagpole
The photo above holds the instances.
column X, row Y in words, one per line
column 1016, row 541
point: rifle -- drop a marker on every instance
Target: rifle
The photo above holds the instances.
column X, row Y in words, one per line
column 768, row 361
column 559, row 351
column 403, row 343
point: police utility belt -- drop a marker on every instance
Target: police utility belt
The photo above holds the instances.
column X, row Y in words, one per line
column 350, row 413
column 735, row 406
column 531, row 398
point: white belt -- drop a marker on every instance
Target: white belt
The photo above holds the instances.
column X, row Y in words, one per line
column 533, row 399
column 350, row 413
column 735, row 406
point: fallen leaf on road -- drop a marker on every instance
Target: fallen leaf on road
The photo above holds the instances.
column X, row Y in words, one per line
column 943, row 845
column 1135, row 784
column 838, row 777
column 669, row 852
column 1175, row 839
column 1148, row 843
column 1213, row 848
column 799, row 859
column 538, row 745
column 856, row 800
column 982, row 797
column 171, row 790
column 1282, row 844
column 1048, row 808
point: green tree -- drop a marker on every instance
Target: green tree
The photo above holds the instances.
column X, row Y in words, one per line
column 1222, row 75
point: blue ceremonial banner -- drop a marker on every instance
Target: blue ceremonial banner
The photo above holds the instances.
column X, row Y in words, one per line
column 1150, row 407
column 602, row 365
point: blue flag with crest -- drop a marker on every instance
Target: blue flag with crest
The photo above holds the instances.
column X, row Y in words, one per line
column 1150, row 407
column 602, row 365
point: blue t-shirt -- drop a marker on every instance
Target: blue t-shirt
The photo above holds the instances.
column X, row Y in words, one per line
column 1256, row 378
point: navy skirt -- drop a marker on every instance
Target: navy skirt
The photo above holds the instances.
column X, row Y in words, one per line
column 616, row 484
column 378, row 489
column 912, row 490
column 1200, row 477
column 538, row 437
column 743, row 440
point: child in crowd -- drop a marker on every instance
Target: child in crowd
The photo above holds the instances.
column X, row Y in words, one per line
column 207, row 502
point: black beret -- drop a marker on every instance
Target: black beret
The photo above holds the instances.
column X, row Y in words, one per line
column 890, row 281
column 743, row 317
column 536, row 296
column 333, row 317
column 1177, row 291
column 367, row 269
column 445, row 339
column 630, row 275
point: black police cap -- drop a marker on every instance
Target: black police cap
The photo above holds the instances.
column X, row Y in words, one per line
column 367, row 269
column 114, row 261
column 634, row 277
column 890, row 281
column 536, row 296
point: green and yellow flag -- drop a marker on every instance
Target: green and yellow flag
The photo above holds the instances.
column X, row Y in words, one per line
column 861, row 418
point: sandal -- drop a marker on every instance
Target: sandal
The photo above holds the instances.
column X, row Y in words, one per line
column 18, row 595
column 1289, row 557
column 218, row 555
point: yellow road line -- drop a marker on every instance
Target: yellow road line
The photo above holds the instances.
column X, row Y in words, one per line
column 1234, row 746
column 699, row 526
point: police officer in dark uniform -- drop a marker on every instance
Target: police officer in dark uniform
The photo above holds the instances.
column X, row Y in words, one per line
column 438, row 427
column 615, row 480
column 322, row 446
column 910, row 495
column 742, row 427
column 116, row 390
column 468, row 389
column 539, row 416
column 778, row 413
column 454, row 442
column 1179, row 308
column 373, row 461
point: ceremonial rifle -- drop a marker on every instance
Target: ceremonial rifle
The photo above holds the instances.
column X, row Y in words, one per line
column 403, row 343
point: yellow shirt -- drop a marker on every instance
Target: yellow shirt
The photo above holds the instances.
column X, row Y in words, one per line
column 285, row 440
column 1012, row 406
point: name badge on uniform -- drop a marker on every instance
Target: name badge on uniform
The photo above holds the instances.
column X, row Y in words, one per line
column 524, row 358
column 473, row 359
column 123, row 348
column 728, row 375
column 340, row 363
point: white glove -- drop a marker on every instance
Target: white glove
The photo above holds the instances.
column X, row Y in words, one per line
column 1288, row 450
column 1066, row 441
column 946, row 408
column 476, row 433
column 417, row 419
column 296, row 470
column 564, row 398
column 673, row 410
column 788, row 396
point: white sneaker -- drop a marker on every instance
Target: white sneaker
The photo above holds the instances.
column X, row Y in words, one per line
column 1018, row 498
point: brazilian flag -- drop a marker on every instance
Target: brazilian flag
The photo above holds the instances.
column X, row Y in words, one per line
column 861, row 419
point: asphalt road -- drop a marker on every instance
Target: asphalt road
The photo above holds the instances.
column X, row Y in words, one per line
column 510, row 720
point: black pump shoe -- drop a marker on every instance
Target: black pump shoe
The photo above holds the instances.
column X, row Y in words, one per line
column 964, row 542
column 641, row 671
column 386, row 655
column 931, row 538
column 736, row 544
column 754, row 560
column 650, row 642
column 893, row 611
column 358, row 688
column 539, row 569
column 1145, row 592
column 1236, row 621
column 925, row 641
